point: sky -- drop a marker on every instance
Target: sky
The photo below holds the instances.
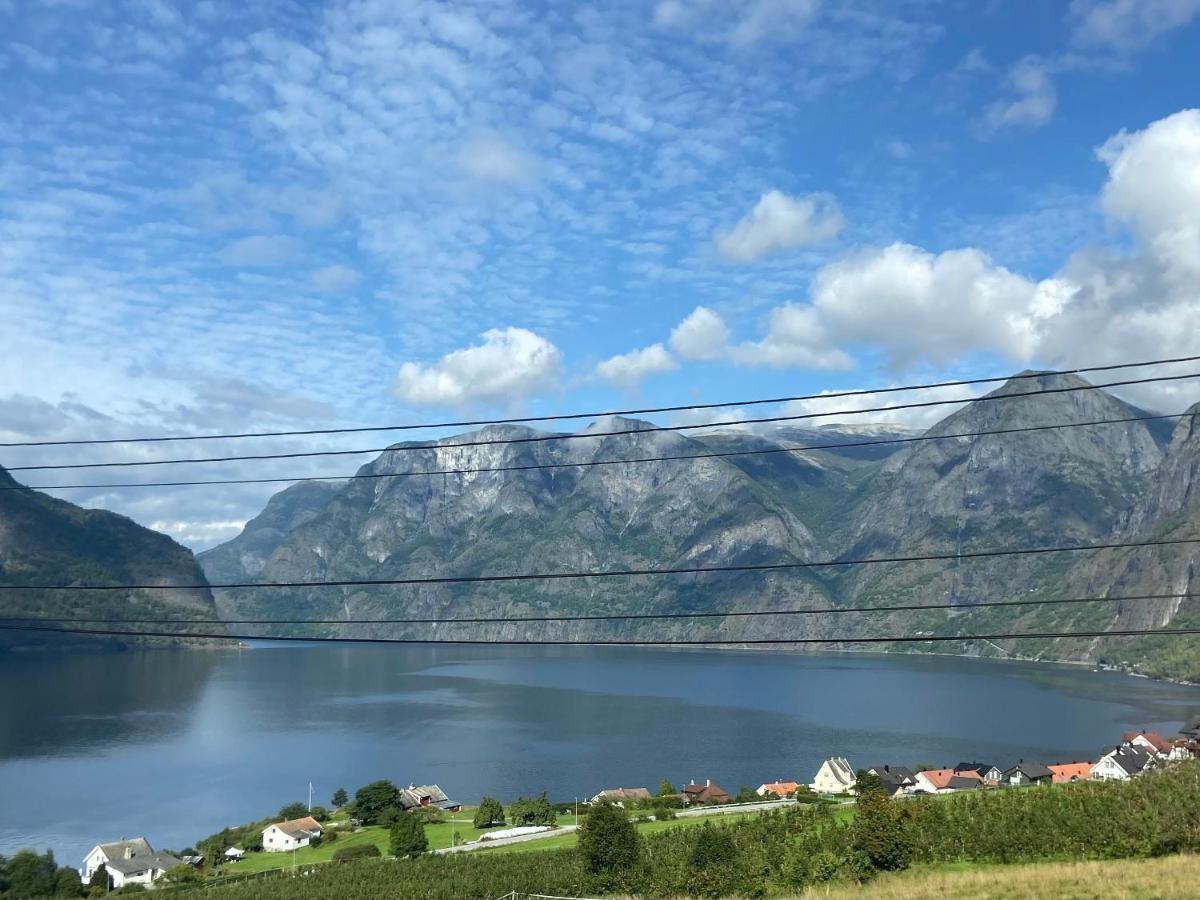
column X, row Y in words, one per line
column 226, row 216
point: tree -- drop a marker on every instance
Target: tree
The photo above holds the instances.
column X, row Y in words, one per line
column 371, row 800
column 489, row 813
column 746, row 794
column 98, row 883
column 340, row 798
column 32, row 874
column 182, row 874
column 408, row 836
column 532, row 811
column 881, row 832
column 608, row 841
column 293, row 811
column 714, row 862
column 865, row 782
column 665, row 788
column 67, row 883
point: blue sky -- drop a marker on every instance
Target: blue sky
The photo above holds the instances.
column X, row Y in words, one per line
column 224, row 216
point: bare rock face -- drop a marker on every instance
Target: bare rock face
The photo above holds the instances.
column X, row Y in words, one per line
column 44, row 540
column 800, row 494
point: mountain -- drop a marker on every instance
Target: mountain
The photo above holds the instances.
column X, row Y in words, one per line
column 44, row 540
column 775, row 495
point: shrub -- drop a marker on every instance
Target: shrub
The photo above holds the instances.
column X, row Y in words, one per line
column 370, row 801
column 359, row 851
column 408, row 836
column 608, row 841
column 293, row 811
column 532, row 811
column 881, row 832
column 489, row 813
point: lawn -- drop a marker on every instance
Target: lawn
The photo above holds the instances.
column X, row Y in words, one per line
column 570, row 840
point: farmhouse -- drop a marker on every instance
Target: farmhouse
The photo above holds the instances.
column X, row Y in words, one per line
column 698, row 794
column 834, row 777
column 290, row 835
column 415, row 796
column 778, row 788
column 621, row 796
column 127, row 862
column 1122, row 763
column 1065, row 773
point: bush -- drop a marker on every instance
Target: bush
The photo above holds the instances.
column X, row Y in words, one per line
column 608, row 841
column 359, row 851
column 431, row 815
column 489, row 813
column 881, row 832
column 319, row 813
column 370, row 801
column 664, row 813
column 293, row 811
column 408, row 836
column 535, row 811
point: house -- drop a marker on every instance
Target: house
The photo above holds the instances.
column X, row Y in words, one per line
column 895, row 779
column 988, row 773
column 621, row 796
column 290, row 835
column 1122, row 763
column 1065, row 773
column 834, row 777
column 127, row 862
column 1150, row 741
column 778, row 788
column 415, row 796
column 697, row 794
column 1026, row 773
column 946, row 781
column 1182, row 748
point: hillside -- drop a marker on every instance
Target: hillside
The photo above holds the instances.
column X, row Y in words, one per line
column 44, row 540
column 1059, row 487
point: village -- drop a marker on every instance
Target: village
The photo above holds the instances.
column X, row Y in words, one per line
column 133, row 864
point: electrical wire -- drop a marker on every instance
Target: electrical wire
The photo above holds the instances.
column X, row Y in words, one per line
column 541, row 438
column 470, row 423
column 696, row 642
column 617, row 573
column 605, row 617
column 719, row 454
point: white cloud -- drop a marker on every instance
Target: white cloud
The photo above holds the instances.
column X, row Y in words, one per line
column 796, row 337
column 492, row 158
column 922, row 417
column 1127, row 24
column 779, row 222
column 703, row 335
column 1032, row 98
column 261, row 250
column 741, row 23
column 510, row 364
column 898, row 149
column 1154, row 187
column 335, row 278
column 628, row 369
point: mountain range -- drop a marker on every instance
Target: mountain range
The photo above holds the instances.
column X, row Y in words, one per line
column 752, row 497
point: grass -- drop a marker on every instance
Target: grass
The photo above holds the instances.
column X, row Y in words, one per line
column 1164, row 878
column 570, row 840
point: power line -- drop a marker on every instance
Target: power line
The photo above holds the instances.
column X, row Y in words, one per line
column 617, row 573
column 590, row 415
column 607, row 617
column 533, row 439
column 697, row 642
column 721, row 454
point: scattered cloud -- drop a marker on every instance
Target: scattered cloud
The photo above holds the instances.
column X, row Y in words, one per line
column 261, row 250
column 741, row 24
column 898, row 149
column 335, row 278
column 627, row 370
column 703, row 336
column 796, row 338
column 495, row 159
column 1031, row 98
column 509, row 365
column 843, row 408
column 779, row 222
column 1127, row 25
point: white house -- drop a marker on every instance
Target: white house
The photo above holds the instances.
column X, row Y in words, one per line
column 287, row 836
column 127, row 862
column 1121, row 764
column 834, row 777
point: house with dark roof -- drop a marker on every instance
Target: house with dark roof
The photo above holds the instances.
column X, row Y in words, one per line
column 1122, row 763
column 700, row 794
column 290, row 835
column 127, row 862
column 1026, row 773
column 986, row 771
column 895, row 779
column 416, row 796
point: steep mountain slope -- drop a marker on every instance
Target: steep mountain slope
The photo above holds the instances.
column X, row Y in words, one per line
column 705, row 512
column 44, row 540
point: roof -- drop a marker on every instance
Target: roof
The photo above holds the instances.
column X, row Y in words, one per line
column 964, row 782
column 942, row 778
column 1031, row 770
column 116, row 849
column 901, row 772
column 704, row 791
column 980, row 769
column 839, row 767
column 1076, row 771
column 425, row 795
column 626, row 793
column 305, row 826
column 1154, row 739
column 143, row 863
column 779, row 787
column 1131, row 759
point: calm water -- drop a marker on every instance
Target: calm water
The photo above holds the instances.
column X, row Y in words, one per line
column 174, row 745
